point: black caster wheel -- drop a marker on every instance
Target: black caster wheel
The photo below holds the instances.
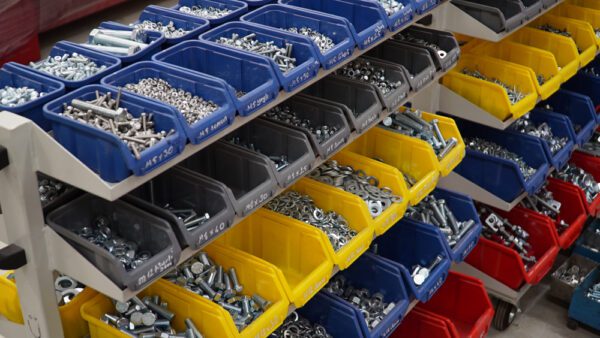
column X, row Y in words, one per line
column 572, row 324
column 505, row 315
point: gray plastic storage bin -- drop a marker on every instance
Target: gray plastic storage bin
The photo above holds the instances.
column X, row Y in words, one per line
column 498, row 15
column 247, row 176
column 184, row 189
column 149, row 232
column 548, row 3
column 563, row 291
column 416, row 61
column 532, row 8
column 360, row 101
column 445, row 40
column 273, row 139
column 394, row 73
column 319, row 112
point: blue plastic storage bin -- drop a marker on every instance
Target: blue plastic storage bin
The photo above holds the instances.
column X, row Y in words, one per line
column 191, row 23
column 587, row 85
column 582, row 309
column 13, row 75
column 561, row 127
column 285, row 17
column 105, row 153
column 589, row 239
column 499, row 176
column 377, row 275
column 409, row 246
column 252, row 4
column 238, row 8
column 64, row 47
column 579, row 108
column 246, row 72
column 367, row 23
column 307, row 59
column 423, row 6
column 463, row 209
column 207, row 87
column 400, row 18
column 155, row 40
column 338, row 318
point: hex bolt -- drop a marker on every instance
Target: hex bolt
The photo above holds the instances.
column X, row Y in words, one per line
column 164, row 313
column 438, row 133
column 118, row 115
column 189, row 324
column 206, row 288
column 236, row 285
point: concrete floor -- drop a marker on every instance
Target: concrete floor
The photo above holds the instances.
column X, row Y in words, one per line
column 542, row 319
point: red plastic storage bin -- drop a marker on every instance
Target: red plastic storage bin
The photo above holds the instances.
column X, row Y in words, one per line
column 465, row 303
column 591, row 164
column 421, row 324
column 504, row 264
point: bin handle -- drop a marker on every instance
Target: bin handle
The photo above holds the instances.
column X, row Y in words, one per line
column 12, row 257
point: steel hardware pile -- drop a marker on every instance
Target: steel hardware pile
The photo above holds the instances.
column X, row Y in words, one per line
column 169, row 30
column 323, row 41
column 411, row 123
column 104, row 233
column 420, row 273
column 194, row 108
column 16, row 96
column 391, row 6
column 581, row 178
column 281, row 160
column 190, row 218
column 118, row 42
column 500, row 230
column 544, row 203
column 50, row 189
column 406, row 36
column 105, row 114
column 576, row 126
column 303, row 208
column 372, row 306
column 552, row 29
column 362, row 70
column 493, row 149
column 298, row 326
column 281, row 55
column 543, row 130
column 513, row 92
column 594, row 293
column 147, row 318
column 201, row 275
column 285, row 113
column 66, row 289
column 572, row 275
column 358, row 183
column 436, row 211
column 71, row 67
column 208, row 12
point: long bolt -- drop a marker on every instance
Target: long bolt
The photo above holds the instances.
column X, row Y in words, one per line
column 119, row 115
column 114, row 41
column 190, row 325
column 161, row 311
column 438, row 132
column 124, row 51
column 236, row 285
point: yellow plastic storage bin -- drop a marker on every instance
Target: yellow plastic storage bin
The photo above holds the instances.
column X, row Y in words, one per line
column 581, row 32
column 593, row 4
column 563, row 48
column 449, row 129
column 351, row 209
column 74, row 326
column 589, row 15
column 487, row 95
column 298, row 254
column 380, row 144
column 540, row 62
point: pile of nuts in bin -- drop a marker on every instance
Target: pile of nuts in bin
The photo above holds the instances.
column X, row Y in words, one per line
column 66, row 289
column 581, row 178
column 357, row 182
column 117, row 42
column 514, row 94
column 500, row 230
column 298, row 326
column 432, row 210
column 147, row 318
column 496, row 150
column 372, row 305
column 206, row 12
column 105, row 113
column 303, row 208
column 203, row 276
column 542, row 130
column 281, row 55
column 544, row 203
column 408, row 37
column 50, row 189
column 281, row 160
column 288, row 115
column 411, row 123
column 363, row 70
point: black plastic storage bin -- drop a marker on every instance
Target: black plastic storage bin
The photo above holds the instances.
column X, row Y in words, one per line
column 249, row 179
column 416, row 61
column 183, row 189
column 273, row 139
column 394, row 73
column 149, row 232
column 532, row 8
column 498, row 15
column 359, row 101
column 445, row 40
column 319, row 112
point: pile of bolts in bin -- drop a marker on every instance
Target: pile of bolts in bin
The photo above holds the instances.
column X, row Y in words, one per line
column 190, row 218
column 411, row 123
column 514, row 95
column 169, row 30
column 406, row 36
column 372, row 306
column 206, row 12
column 303, row 208
column 323, row 41
column 286, row 114
column 581, row 178
column 281, row 160
column 148, row 318
column 496, row 150
column 362, row 70
column 526, row 126
column 16, row 96
column 201, row 275
column 106, row 114
column 500, row 230
column 544, row 203
column 436, row 211
column 298, row 326
column 358, row 183
column 118, row 42
column 281, row 55
column 69, row 66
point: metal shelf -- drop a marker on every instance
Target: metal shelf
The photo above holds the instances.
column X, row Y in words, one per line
column 451, row 18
